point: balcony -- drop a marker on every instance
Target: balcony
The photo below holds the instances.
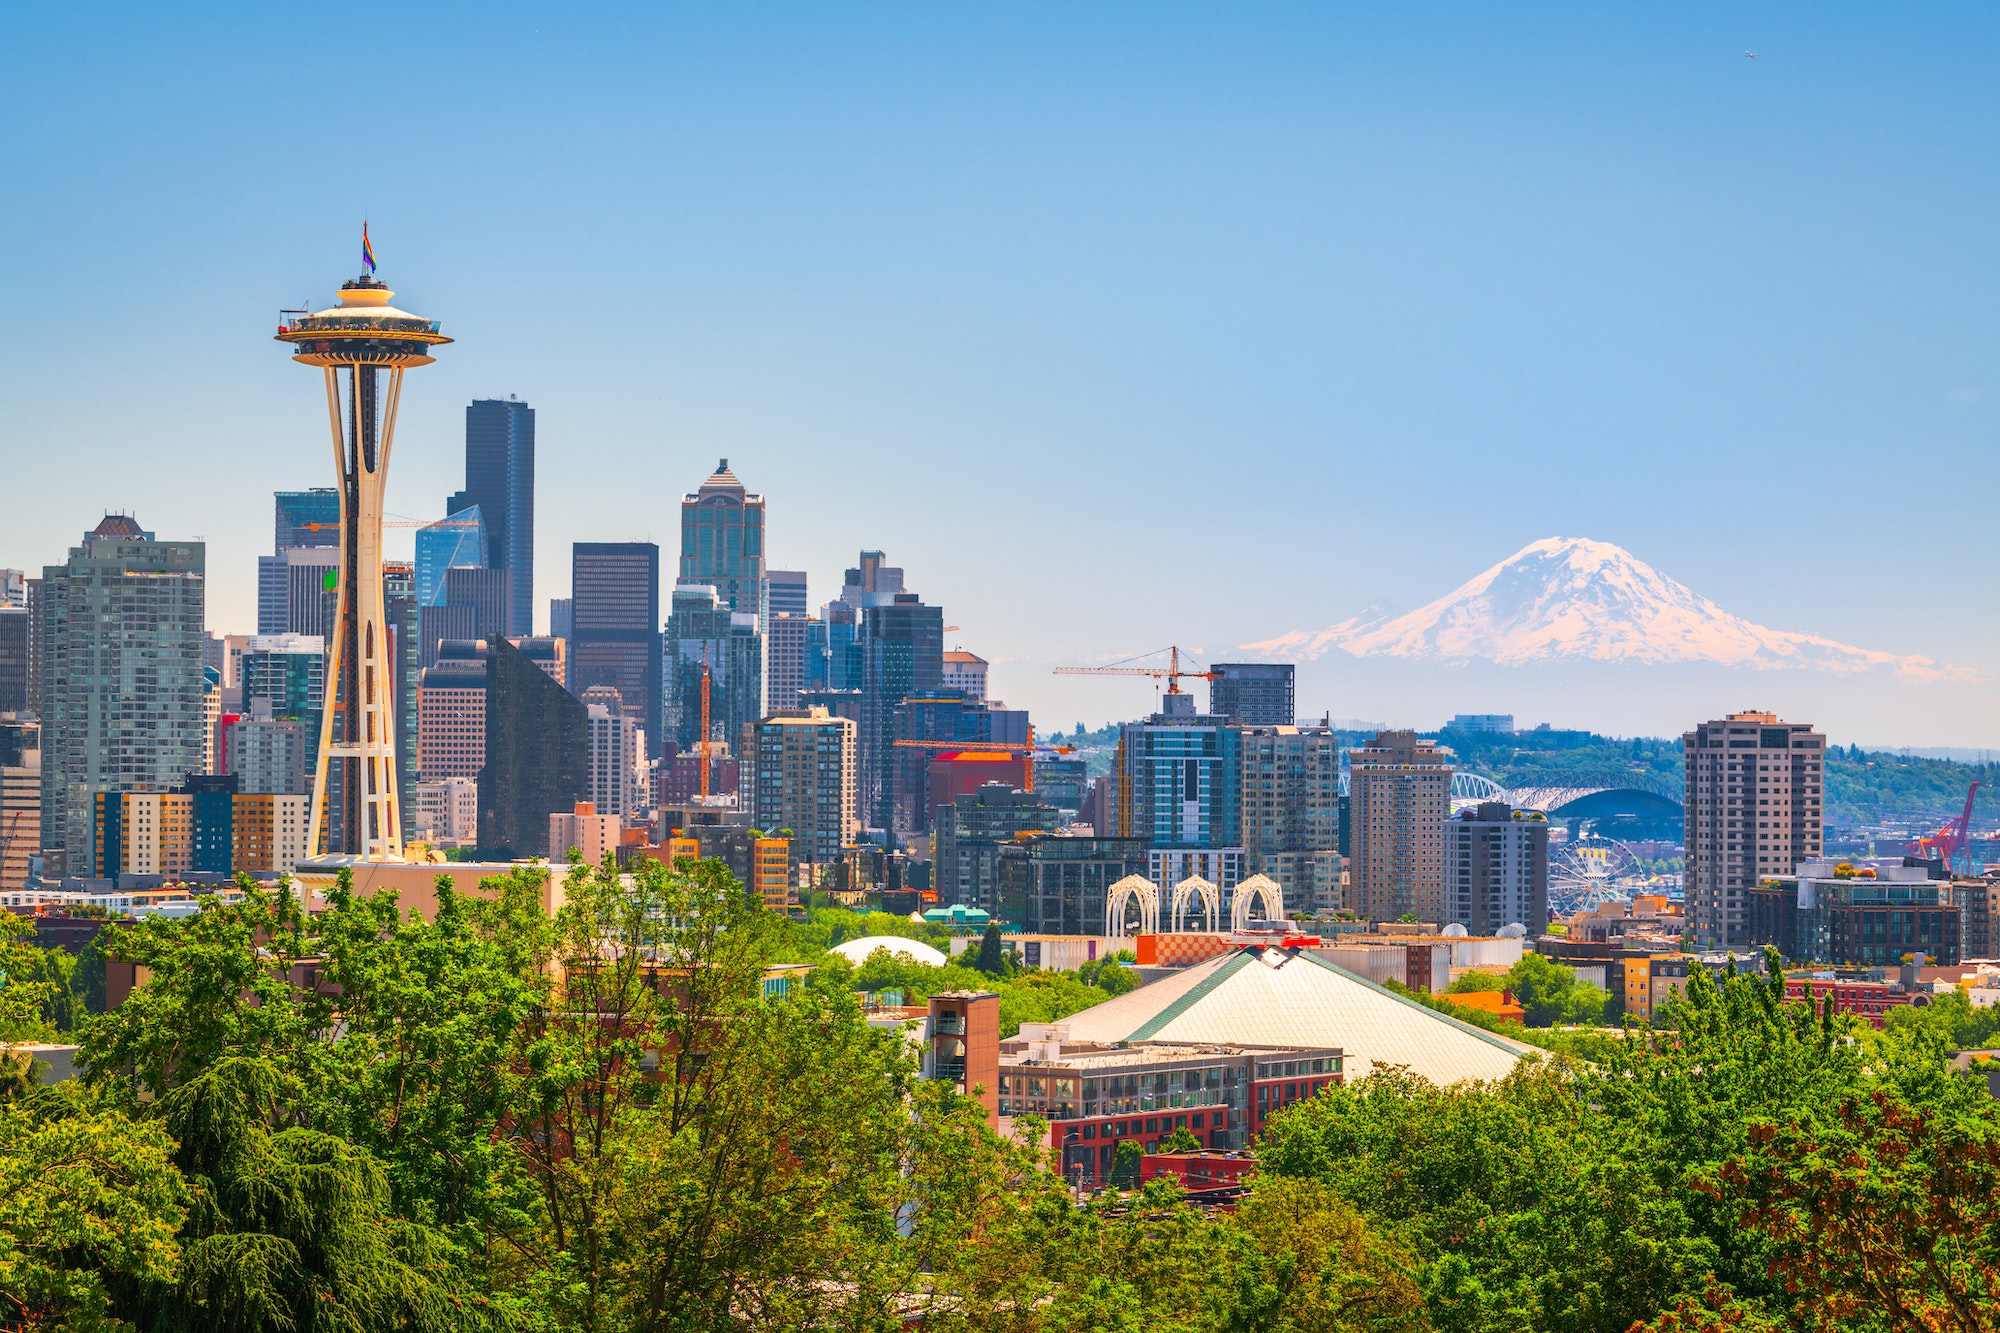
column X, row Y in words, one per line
column 950, row 1070
column 949, row 1025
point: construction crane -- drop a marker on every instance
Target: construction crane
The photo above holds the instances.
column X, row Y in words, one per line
column 702, row 745
column 1029, row 750
column 1172, row 674
column 396, row 523
column 1953, row 842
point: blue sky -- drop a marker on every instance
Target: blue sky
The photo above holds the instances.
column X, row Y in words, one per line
column 1115, row 325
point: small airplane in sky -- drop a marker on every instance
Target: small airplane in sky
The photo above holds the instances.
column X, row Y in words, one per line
column 1751, row 54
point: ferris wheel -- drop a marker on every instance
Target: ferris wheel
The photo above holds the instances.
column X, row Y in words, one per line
column 1589, row 871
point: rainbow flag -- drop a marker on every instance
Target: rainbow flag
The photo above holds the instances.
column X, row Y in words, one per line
column 367, row 250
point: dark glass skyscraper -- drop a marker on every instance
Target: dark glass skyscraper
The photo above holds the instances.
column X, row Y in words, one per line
column 615, row 626
column 306, row 518
column 500, row 479
column 537, row 754
column 902, row 653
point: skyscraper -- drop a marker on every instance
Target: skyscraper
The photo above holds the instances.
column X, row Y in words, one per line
column 306, row 518
column 722, row 542
column 1496, row 866
column 902, row 653
column 1753, row 811
column 703, row 630
column 970, row 833
column 13, row 659
column 1256, row 694
column 1400, row 796
column 537, row 754
column 802, row 763
column 288, row 672
column 784, row 659
column 788, row 592
column 455, row 541
column 1289, row 795
column 620, row 767
column 615, row 625
column 123, row 688
column 500, row 480
column 1176, row 786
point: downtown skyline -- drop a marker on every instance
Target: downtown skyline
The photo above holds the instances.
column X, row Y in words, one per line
column 1070, row 280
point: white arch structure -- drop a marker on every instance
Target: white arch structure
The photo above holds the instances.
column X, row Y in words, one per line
column 1263, row 888
column 1185, row 894
column 1123, row 892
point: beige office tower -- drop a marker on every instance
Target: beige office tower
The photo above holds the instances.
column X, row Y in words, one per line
column 1399, row 796
column 1753, row 813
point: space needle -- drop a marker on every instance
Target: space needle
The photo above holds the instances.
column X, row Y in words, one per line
column 364, row 345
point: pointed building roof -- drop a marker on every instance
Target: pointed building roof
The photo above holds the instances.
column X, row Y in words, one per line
column 1292, row 997
column 721, row 482
column 117, row 527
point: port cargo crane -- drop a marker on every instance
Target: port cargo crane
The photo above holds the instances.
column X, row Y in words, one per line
column 1172, row 673
column 1952, row 844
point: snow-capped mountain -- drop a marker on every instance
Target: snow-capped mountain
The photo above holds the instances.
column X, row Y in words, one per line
column 1570, row 598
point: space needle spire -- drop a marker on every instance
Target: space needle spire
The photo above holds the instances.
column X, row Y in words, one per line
column 363, row 345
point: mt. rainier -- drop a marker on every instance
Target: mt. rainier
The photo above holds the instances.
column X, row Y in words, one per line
column 1570, row 598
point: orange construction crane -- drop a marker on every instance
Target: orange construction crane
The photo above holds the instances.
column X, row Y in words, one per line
column 1030, row 749
column 702, row 744
column 1173, row 674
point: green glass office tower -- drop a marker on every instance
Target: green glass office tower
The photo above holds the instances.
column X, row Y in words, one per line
column 722, row 542
column 124, row 700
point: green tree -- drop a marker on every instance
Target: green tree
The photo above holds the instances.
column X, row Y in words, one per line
column 86, row 1199
column 1549, row 993
column 992, row 959
column 1125, row 1163
column 1181, row 1140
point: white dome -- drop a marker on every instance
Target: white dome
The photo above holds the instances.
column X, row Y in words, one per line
column 915, row 951
column 1454, row 931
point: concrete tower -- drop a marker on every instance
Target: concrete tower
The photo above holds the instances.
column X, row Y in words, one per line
column 363, row 345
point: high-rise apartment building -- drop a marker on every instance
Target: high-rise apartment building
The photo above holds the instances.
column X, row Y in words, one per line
column 124, row 692
column 456, row 541
column 1753, row 812
column 401, row 617
column 1256, row 694
column 615, row 625
column 722, row 542
column 272, row 755
column 802, row 777
column 447, row 811
column 537, row 754
column 703, row 632
column 560, row 617
column 785, row 660
column 1496, row 868
column 902, row 653
column 1400, row 796
column 500, row 480
column 1289, row 797
column 1176, row 784
column 621, row 771
column 451, row 713
column 286, row 671
column 14, row 588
